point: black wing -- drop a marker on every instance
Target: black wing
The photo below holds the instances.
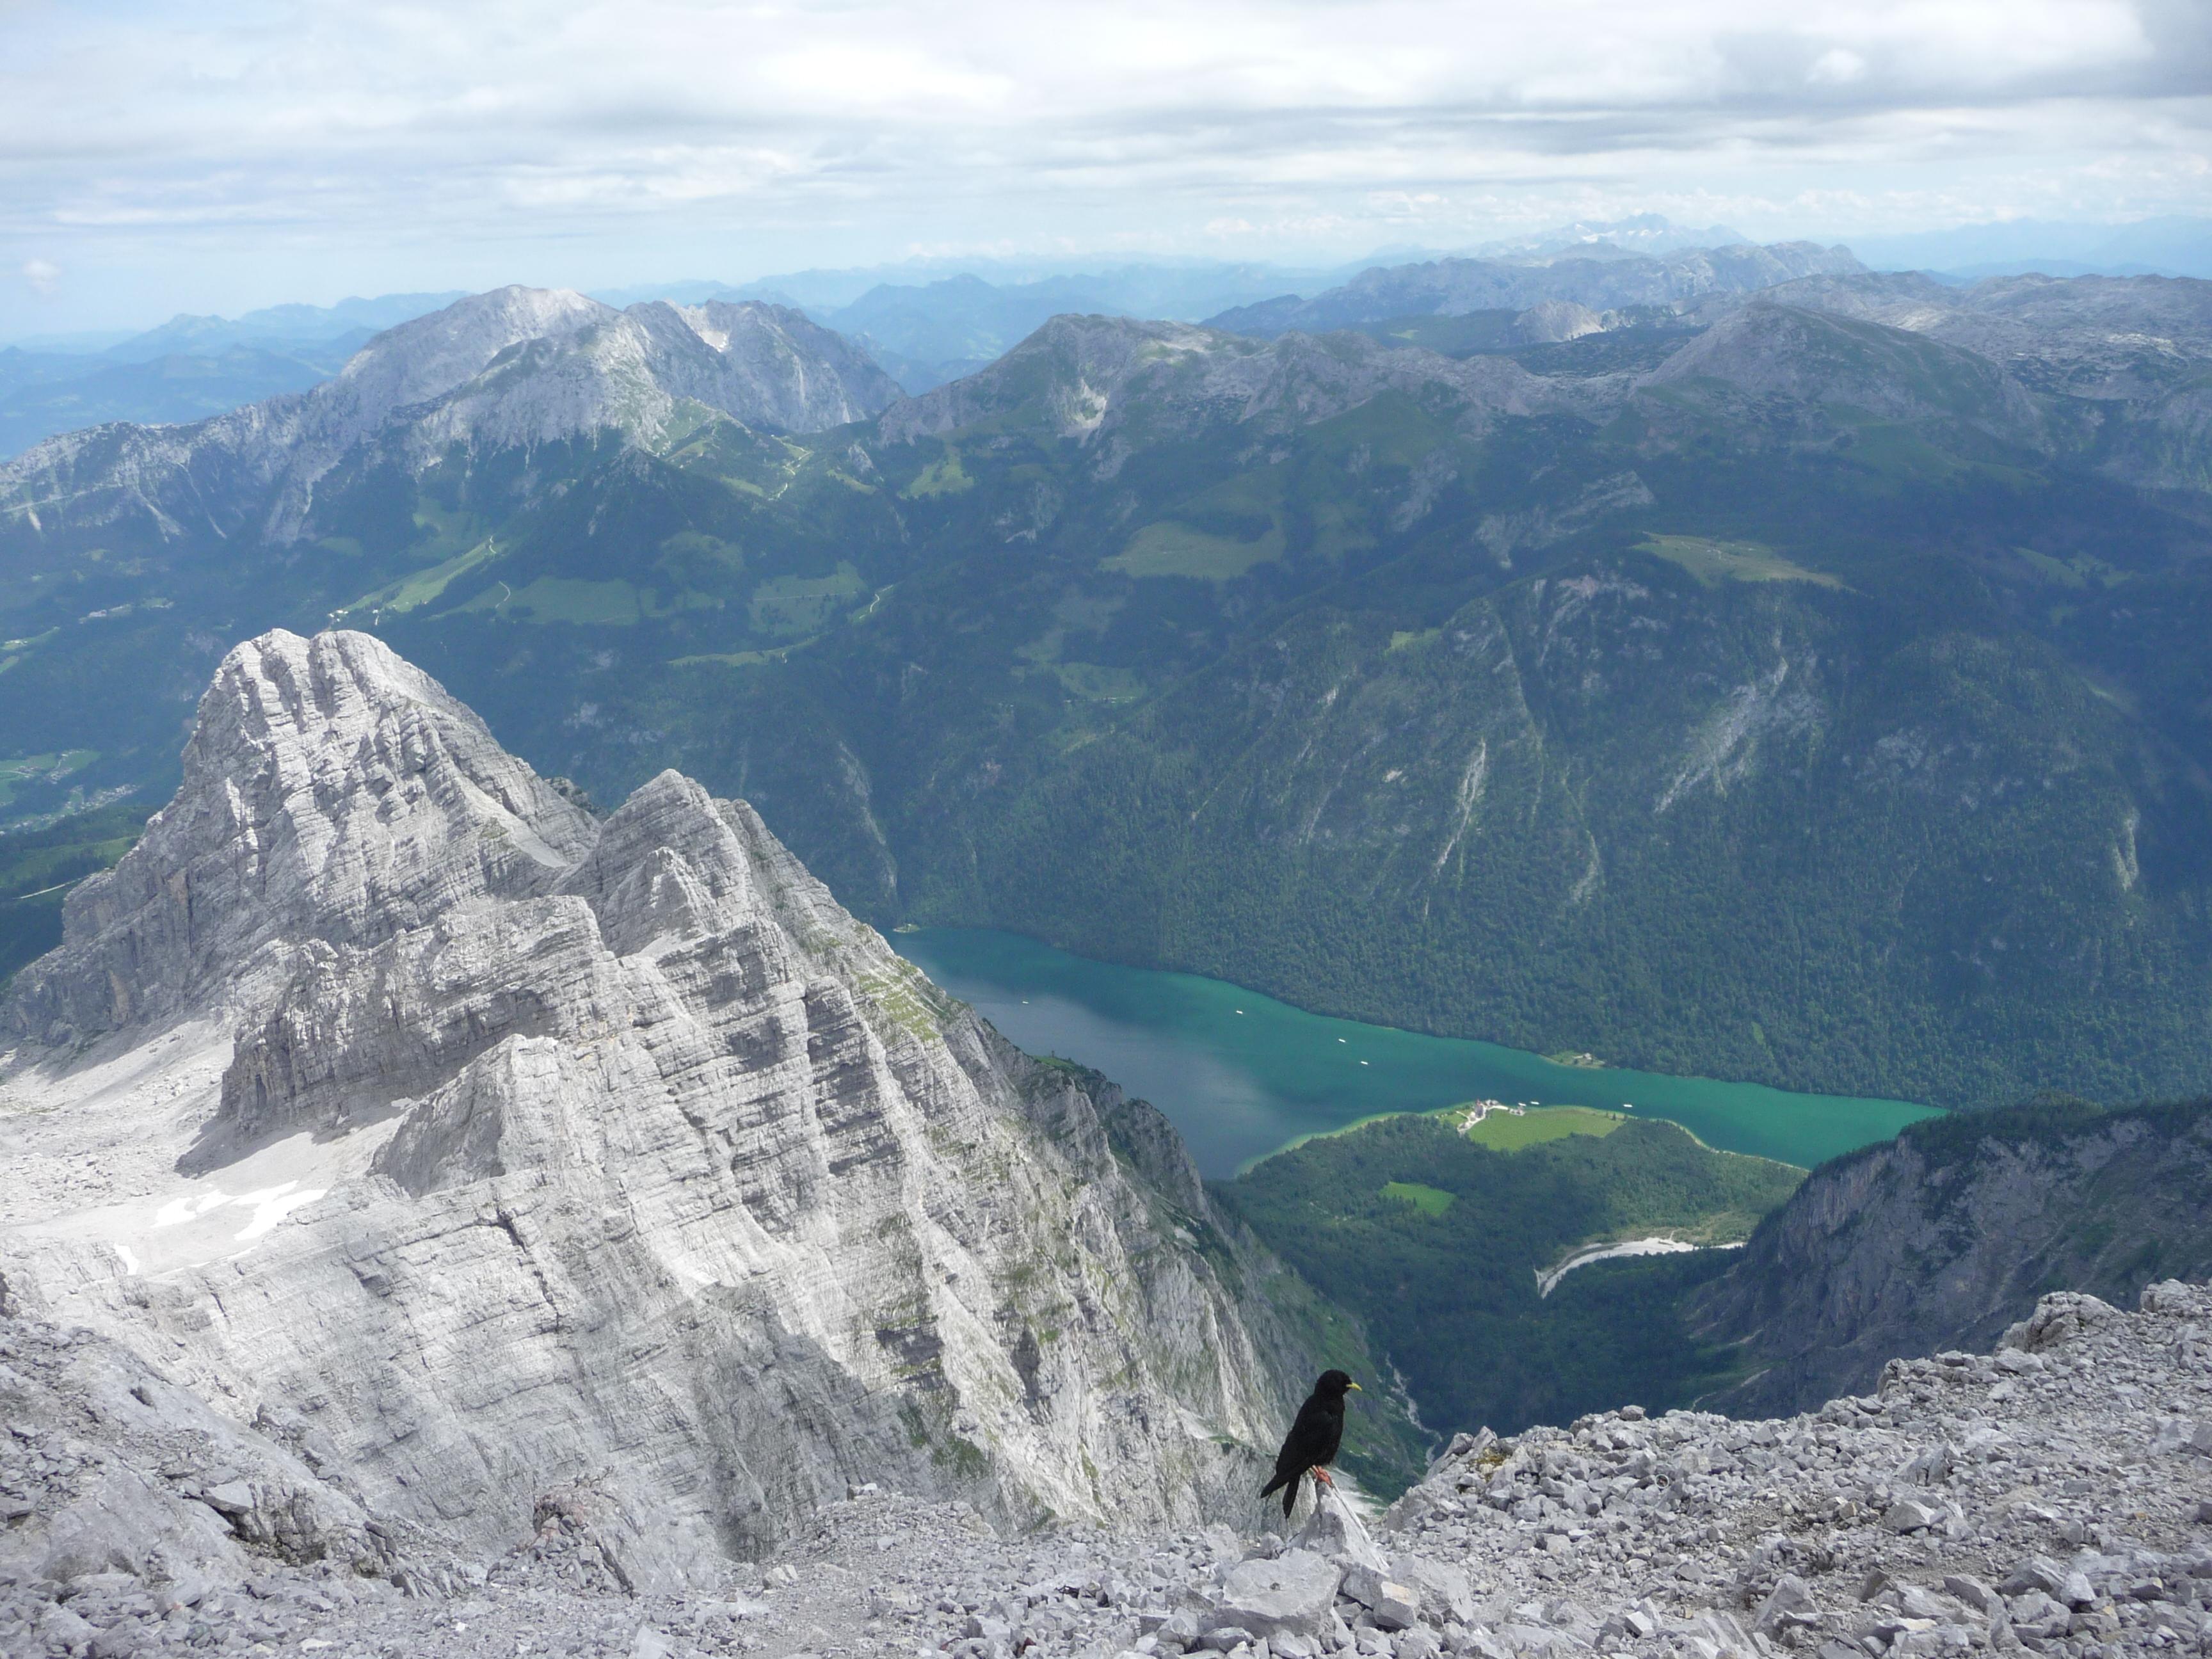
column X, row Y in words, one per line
column 1314, row 1438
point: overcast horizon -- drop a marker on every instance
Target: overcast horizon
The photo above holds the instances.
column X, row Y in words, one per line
column 282, row 151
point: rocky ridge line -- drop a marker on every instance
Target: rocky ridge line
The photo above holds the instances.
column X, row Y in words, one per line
column 2054, row 1497
column 381, row 1087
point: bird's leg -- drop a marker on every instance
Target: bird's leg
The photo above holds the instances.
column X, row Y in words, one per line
column 1321, row 1475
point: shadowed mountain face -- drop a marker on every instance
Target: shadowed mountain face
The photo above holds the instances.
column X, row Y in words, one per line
column 1944, row 1237
column 1802, row 686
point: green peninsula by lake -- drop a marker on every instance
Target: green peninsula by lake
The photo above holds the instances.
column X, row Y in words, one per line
column 1243, row 1076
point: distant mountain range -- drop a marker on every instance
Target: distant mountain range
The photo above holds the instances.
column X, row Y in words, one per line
column 189, row 368
column 2173, row 247
column 299, row 324
column 1798, row 683
column 44, row 394
column 927, row 332
column 516, row 368
column 927, row 321
column 1641, row 233
column 1195, row 286
column 923, row 333
column 1595, row 279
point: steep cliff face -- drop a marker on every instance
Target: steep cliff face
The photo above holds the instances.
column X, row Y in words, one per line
column 1943, row 1237
column 381, row 1086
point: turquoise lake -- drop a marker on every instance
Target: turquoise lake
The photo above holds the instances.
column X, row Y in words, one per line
column 1242, row 1075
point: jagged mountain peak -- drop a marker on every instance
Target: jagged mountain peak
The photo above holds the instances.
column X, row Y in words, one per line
column 431, row 354
column 1063, row 378
column 614, row 1147
column 332, row 790
column 668, row 864
column 533, row 365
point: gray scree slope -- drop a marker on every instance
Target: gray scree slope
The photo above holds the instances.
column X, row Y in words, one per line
column 2050, row 1499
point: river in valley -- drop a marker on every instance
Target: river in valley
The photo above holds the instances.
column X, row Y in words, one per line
column 1242, row 1075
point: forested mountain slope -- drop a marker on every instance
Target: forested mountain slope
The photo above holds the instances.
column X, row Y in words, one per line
column 1447, row 1246
column 1783, row 693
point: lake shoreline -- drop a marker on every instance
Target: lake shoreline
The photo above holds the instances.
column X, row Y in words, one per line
column 1244, row 1075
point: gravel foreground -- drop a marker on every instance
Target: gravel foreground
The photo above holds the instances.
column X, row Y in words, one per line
column 2054, row 1497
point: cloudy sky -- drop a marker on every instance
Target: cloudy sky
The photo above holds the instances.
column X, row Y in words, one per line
column 158, row 157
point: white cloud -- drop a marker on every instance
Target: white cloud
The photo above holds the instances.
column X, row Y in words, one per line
column 274, row 134
column 43, row 275
column 1838, row 66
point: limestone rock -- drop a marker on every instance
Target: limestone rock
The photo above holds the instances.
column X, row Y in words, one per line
column 1446, row 1594
column 1973, row 1592
column 2167, row 1296
column 1910, row 1515
column 611, row 1151
column 2038, row 1572
column 115, row 1469
column 1392, row 1604
column 1335, row 1531
column 1790, row 1607
column 1294, row 1592
column 2059, row 1319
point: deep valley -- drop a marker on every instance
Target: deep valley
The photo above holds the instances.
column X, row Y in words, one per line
column 482, row 1124
column 1792, row 704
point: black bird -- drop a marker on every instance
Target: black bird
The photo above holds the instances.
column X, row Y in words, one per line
column 1313, row 1439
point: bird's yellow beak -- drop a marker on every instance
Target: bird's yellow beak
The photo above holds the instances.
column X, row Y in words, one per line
column 1355, row 1387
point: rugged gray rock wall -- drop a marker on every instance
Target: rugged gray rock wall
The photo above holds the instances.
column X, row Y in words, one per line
column 332, row 793
column 107, row 1467
column 569, row 1150
column 1943, row 1237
